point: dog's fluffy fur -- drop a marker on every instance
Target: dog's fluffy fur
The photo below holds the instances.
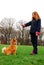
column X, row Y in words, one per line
column 11, row 49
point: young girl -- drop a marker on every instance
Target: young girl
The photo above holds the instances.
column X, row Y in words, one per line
column 34, row 30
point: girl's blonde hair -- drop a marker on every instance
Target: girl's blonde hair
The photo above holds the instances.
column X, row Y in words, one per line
column 36, row 15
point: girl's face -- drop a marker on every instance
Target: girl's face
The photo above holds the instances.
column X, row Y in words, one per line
column 33, row 15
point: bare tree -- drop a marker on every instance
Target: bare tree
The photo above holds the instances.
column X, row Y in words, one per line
column 21, row 30
column 24, row 32
column 7, row 26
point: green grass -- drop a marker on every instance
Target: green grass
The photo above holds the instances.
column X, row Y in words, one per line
column 23, row 56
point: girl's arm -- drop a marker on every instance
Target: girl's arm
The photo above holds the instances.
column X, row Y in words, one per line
column 27, row 24
column 38, row 27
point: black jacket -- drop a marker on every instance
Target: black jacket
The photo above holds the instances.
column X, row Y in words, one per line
column 35, row 25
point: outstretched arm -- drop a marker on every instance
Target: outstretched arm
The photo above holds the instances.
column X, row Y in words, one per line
column 27, row 24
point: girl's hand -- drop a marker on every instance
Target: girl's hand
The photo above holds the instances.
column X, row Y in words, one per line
column 37, row 33
column 23, row 26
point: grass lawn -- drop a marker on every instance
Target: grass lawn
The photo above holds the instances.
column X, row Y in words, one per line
column 23, row 56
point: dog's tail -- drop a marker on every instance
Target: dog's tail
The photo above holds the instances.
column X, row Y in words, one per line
column 3, row 49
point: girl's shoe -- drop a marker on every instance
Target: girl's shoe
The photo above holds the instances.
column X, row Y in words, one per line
column 33, row 52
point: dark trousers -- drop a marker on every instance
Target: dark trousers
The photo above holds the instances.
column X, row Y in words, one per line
column 34, row 41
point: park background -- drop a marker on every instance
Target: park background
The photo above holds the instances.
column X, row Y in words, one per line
column 13, row 13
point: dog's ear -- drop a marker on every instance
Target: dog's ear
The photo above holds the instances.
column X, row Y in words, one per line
column 14, row 40
column 11, row 41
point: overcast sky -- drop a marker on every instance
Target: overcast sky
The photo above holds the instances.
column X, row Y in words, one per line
column 21, row 9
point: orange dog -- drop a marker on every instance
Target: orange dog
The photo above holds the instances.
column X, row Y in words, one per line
column 11, row 49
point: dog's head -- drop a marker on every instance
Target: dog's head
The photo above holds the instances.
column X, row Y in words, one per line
column 13, row 42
